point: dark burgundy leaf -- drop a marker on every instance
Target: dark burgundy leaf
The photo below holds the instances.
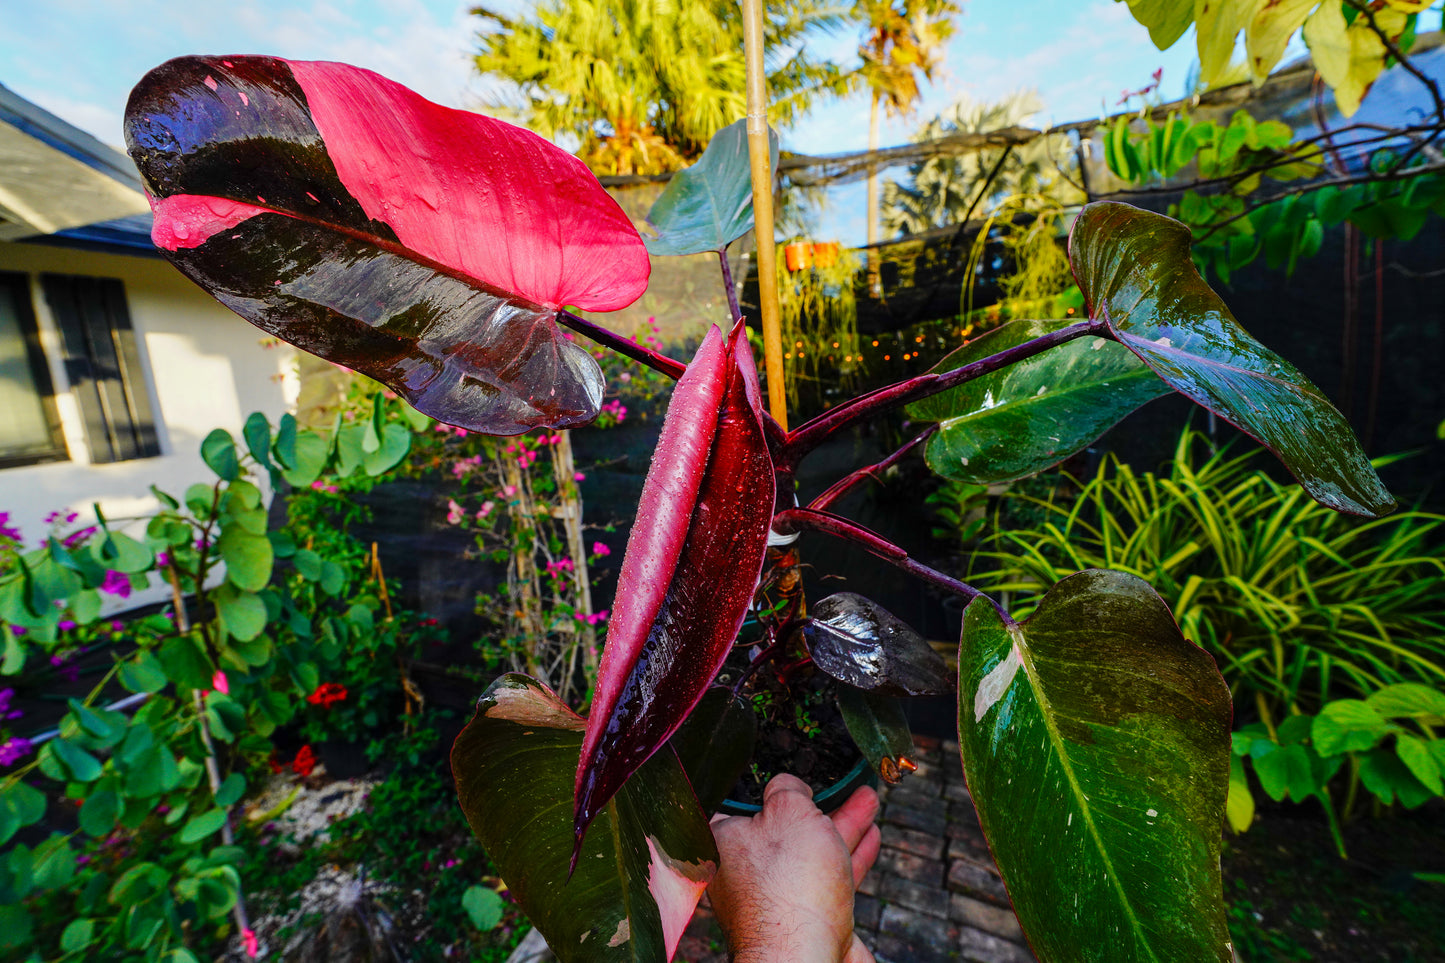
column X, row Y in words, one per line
column 691, row 566
column 426, row 247
column 857, row 641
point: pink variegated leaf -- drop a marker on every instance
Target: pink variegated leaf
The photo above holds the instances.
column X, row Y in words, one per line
column 427, row 247
column 646, row 862
column 691, row 566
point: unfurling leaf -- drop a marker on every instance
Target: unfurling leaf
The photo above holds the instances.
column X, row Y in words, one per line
column 426, row 247
column 692, row 562
column 855, row 640
column 1135, row 272
column 1095, row 739
column 1035, row 413
column 710, row 204
column 645, row 863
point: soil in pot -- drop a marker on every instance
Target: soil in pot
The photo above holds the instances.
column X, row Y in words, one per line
column 800, row 731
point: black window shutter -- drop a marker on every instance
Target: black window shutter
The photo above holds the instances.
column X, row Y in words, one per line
column 103, row 366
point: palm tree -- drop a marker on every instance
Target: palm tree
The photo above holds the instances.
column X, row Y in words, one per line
column 903, row 41
column 640, row 86
column 940, row 190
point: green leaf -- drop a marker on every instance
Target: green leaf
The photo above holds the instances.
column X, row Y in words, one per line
column 710, row 204
column 349, row 452
column 1135, row 271
column 1415, row 753
column 77, row 935
column 100, row 812
column 1035, row 413
column 243, row 613
column 231, row 790
column 1239, row 807
column 1347, row 725
column 20, row 806
column 1383, row 773
column 16, row 927
column 1095, row 739
column 308, row 564
column 257, row 432
column 878, row 727
column 122, row 553
column 186, row 663
column 202, row 826
column 248, row 558
column 515, row 765
column 82, row 765
column 395, row 443
column 483, row 906
column 310, row 457
column 715, row 743
column 333, row 578
column 1408, row 699
column 143, row 673
column 92, row 723
column 1166, row 19
column 219, row 452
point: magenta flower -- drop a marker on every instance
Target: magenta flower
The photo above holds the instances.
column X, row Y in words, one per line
column 5, row 530
column 579, row 477
column 79, row 536
column 600, row 550
column 116, row 583
column 6, row 712
column 14, row 749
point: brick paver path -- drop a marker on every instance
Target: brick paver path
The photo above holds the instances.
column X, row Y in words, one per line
column 934, row 894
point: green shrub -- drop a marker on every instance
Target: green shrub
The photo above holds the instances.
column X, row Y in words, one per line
column 1298, row 604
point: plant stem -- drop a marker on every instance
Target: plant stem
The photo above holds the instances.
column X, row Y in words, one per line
column 760, row 156
column 847, row 483
column 808, row 436
column 786, row 521
column 752, row 667
column 735, row 311
column 623, row 346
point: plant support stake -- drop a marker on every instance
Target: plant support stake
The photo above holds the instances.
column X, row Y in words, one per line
column 758, row 155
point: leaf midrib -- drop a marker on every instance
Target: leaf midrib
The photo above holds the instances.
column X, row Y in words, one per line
column 1016, row 637
column 1064, row 392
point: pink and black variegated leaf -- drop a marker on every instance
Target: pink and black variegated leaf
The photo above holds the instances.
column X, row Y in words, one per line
column 426, row 247
column 688, row 575
column 646, row 862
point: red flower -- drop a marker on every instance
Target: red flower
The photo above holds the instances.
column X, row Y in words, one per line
column 304, row 762
column 326, row 694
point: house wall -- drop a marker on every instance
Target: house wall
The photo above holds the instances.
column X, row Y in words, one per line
column 205, row 368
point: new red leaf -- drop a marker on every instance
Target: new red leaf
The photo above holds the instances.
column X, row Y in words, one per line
column 426, row 247
column 691, row 566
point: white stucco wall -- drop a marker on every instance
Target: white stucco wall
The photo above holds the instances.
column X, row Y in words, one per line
column 206, row 368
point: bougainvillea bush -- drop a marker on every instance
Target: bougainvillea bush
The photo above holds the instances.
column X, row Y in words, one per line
column 447, row 255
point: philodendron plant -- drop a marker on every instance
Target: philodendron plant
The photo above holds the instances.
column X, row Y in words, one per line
column 445, row 254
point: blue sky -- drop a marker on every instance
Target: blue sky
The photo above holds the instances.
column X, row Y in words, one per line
column 79, row 58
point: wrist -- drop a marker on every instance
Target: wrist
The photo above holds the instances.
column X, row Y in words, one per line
column 768, row 941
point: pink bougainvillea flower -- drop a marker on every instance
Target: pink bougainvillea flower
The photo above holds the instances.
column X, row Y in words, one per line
column 600, row 550
column 427, row 247
column 688, row 575
column 220, row 683
column 252, row 944
column 455, row 512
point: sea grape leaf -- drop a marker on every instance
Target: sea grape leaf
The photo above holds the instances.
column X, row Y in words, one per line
column 709, row 205
column 1134, row 269
column 1096, row 742
column 857, row 641
column 692, row 562
column 1035, row 413
column 426, row 247
column 715, row 744
column 879, row 729
column 643, row 866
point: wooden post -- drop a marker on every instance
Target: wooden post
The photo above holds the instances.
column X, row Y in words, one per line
column 759, row 155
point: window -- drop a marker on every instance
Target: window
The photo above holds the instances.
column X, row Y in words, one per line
column 103, row 366
column 30, row 429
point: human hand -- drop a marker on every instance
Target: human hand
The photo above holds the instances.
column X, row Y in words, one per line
column 785, row 880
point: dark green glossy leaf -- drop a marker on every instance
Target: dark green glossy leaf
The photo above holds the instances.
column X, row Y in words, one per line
column 857, row 641
column 644, row 863
column 248, row 559
column 1035, row 413
column 710, row 204
column 1096, row 742
column 878, row 726
column 219, row 452
column 1135, row 271
column 715, row 745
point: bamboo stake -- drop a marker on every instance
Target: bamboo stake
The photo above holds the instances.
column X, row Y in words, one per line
column 759, row 155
